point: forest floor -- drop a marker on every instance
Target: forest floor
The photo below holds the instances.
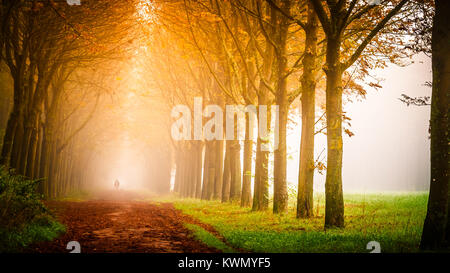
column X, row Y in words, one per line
column 394, row 220
column 115, row 223
column 127, row 222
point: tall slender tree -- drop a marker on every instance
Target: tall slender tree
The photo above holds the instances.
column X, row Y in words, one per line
column 335, row 21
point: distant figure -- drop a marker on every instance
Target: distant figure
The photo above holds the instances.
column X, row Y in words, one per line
column 116, row 184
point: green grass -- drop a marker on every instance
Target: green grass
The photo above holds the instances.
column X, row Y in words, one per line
column 394, row 220
column 209, row 239
column 40, row 230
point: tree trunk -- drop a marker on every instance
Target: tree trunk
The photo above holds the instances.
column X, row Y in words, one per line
column 13, row 122
column 32, row 150
column 194, row 165
column 208, row 177
column 226, row 173
column 37, row 161
column 187, row 173
column 261, row 195
column 218, row 178
column 205, row 171
column 264, row 179
column 43, row 164
column 305, row 197
column 436, row 227
column 211, row 171
column 5, row 111
column 27, row 143
column 246, row 197
column 16, row 152
column 257, row 183
column 334, row 200
column 52, row 170
column 199, row 168
column 280, row 195
column 235, row 170
column 8, row 138
column 176, row 186
column 184, row 173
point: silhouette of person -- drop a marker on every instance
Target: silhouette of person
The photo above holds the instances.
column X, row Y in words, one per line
column 116, row 184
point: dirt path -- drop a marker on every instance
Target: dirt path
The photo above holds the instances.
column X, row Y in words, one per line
column 122, row 226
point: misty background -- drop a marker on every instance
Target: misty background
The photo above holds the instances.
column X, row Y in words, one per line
column 390, row 148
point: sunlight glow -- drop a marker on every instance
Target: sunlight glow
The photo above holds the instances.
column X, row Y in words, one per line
column 146, row 11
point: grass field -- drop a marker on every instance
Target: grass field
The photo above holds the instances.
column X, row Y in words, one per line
column 393, row 220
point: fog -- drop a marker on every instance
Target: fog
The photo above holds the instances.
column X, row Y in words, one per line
column 390, row 148
column 389, row 151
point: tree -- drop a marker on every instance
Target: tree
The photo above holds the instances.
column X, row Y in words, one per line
column 43, row 43
column 436, row 230
column 280, row 198
column 335, row 22
column 309, row 60
column 305, row 201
